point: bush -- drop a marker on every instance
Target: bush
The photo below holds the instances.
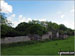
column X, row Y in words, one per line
column 8, row 31
column 36, row 29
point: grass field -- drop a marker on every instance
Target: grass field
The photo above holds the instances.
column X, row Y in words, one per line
column 38, row 48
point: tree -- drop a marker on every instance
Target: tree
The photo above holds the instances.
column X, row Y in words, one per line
column 49, row 26
column 55, row 26
column 36, row 29
column 62, row 27
column 22, row 28
column 52, row 27
column 8, row 31
column 3, row 18
column 70, row 31
column 34, row 22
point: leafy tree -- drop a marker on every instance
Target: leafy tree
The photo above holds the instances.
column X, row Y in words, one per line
column 62, row 27
column 49, row 26
column 34, row 22
column 22, row 27
column 8, row 31
column 55, row 26
column 52, row 26
column 37, row 29
column 32, row 27
column 3, row 18
column 70, row 31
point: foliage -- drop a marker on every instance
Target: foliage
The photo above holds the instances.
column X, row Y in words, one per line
column 8, row 31
column 70, row 31
column 3, row 18
column 32, row 27
column 36, row 29
column 22, row 26
column 62, row 27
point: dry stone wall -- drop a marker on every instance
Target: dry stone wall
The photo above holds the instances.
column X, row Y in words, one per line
column 48, row 35
column 14, row 39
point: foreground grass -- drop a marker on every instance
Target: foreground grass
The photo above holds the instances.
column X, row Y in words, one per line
column 38, row 48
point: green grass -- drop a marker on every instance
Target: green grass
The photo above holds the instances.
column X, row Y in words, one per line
column 38, row 48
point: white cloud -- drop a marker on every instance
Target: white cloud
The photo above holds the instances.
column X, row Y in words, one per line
column 21, row 18
column 72, row 10
column 42, row 19
column 29, row 19
column 66, row 20
column 68, row 23
column 5, row 7
column 10, row 18
column 15, row 23
column 62, row 16
column 59, row 12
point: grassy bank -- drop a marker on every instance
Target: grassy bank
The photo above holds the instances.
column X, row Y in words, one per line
column 38, row 48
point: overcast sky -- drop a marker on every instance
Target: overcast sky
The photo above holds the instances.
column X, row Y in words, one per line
column 61, row 12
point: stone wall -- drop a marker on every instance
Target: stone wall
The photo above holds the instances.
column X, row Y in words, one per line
column 14, row 39
column 45, row 36
column 48, row 35
column 20, row 39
